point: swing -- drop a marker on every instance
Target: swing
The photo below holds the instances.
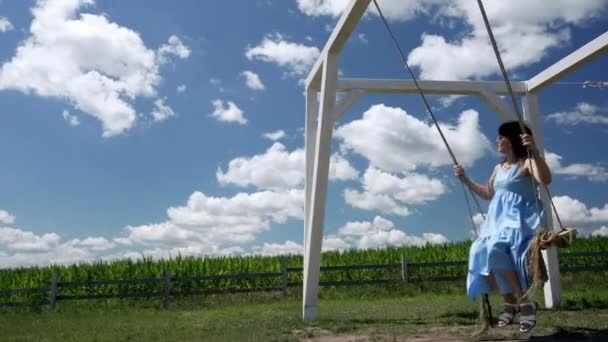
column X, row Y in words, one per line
column 544, row 238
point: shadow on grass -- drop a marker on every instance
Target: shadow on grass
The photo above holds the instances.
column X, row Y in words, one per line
column 574, row 334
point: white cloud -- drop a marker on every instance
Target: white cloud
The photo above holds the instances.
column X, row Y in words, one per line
column 394, row 10
column 6, row 217
column 274, row 136
column 228, row 112
column 334, row 243
column 583, row 113
column 99, row 66
column 289, row 247
column 412, row 188
column 395, row 141
column 381, row 233
column 175, row 48
column 161, row 111
column 252, row 80
column 525, row 30
column 390, row 194
column 363, row 38
column 181, row 88
column 17, row 239
column 72, row 120
column 330, row 243
column 574, row 212
column 278, row 169
column 60, row 255
column 207, row 224
column 297, row 58
column 603, row 231
column 594, row 173
column 371, row 201
column 5, row 25
column 94, row 243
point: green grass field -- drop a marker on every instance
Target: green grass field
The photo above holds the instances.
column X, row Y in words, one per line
column 419, row 312
column 426, row 311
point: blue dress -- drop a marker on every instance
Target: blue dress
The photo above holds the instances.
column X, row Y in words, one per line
column 510, row 225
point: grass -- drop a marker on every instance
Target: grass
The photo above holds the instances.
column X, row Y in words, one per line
column 369, row 312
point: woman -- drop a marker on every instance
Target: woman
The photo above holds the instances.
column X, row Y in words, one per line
column 497, row 258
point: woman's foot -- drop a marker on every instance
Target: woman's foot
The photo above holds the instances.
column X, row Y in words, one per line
column 527, row 320
column 506, row 317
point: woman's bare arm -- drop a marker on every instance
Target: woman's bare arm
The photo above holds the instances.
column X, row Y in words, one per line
column 536, row 165
column 484, row 191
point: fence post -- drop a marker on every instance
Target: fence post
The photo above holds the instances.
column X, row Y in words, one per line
column 53, row 292
column 404, row 275
column 167, row 291
column 285, row 276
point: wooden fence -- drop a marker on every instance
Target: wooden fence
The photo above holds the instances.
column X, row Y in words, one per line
column 167, row 280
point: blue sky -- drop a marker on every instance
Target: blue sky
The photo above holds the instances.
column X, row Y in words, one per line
column 155, row 128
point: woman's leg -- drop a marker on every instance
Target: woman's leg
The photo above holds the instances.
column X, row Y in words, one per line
column 509, row 303
column 513, row 280
column 527, row 320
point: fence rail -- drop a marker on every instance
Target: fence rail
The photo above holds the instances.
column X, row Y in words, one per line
column 168, row 280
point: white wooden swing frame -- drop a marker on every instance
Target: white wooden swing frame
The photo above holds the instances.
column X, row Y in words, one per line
column 322, row 111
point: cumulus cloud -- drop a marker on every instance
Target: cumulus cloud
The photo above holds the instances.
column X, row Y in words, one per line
column 227, row 112
column 6, row 217
column 175, row 47
column 394, row 141
column 603, row 231
column 274, row 136
column 252, row 80
column 525, row 30
column 94, row 243
column 99, row 66
column 5, row 25
column 17, row 239
column 391, row 193
column 181, row 88
column 594, row 173
column 394, row 10
column 583, row 113
column 161, row 111
column 208, row 225
column 289, row 247
column 71, row 119
column 574, row 212
column 381, row 233
column 278, row 168
column 296, row 58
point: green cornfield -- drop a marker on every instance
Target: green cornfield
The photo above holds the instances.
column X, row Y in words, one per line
column 40, row 277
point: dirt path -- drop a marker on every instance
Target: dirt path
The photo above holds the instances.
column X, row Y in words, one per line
column 460, row 334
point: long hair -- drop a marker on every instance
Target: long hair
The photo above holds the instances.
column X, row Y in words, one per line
column 512, row 131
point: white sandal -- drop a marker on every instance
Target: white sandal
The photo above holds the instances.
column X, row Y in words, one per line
column 527, row 320
column 506, row 318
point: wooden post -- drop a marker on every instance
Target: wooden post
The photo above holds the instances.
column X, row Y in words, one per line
column 53, row 291
column 553, row 286
column 285, row 276
column 167, row 291
column 404, row 275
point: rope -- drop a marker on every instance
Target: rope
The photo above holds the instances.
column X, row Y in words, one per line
column 517, row 112
column 485, row 303
column 429, row 110
column 543, row 238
